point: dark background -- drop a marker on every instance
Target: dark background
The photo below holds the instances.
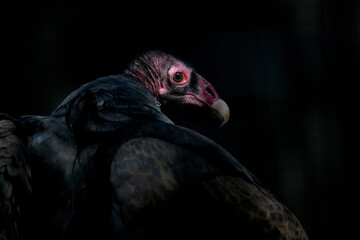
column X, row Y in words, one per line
column 287, row 70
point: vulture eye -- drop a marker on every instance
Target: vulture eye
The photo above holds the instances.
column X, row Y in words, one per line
column 178, row 77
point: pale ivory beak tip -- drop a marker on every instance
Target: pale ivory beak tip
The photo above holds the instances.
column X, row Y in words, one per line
column 221, row 111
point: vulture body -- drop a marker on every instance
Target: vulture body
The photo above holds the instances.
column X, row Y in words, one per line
column 108, row 164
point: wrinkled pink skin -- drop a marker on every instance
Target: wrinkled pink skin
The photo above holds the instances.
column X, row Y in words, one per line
column 205, row 92
column 156, row 71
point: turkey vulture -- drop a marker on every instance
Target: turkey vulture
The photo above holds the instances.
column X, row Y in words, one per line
column 108, row 164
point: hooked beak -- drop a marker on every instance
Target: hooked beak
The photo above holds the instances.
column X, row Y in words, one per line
column 219, row 108
column 220, row 111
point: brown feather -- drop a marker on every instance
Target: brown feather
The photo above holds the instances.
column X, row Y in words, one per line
column 14, row 177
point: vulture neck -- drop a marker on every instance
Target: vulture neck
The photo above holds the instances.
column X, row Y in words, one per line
column 147, row 75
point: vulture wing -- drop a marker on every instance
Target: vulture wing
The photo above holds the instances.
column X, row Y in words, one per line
column 169, row 182
column 14, row 177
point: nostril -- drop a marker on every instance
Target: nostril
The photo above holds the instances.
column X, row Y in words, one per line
column 210, row 92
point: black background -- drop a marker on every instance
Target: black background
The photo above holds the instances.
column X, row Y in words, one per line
column 287, row 69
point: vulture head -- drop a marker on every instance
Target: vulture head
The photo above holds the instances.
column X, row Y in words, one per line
column 171, row 80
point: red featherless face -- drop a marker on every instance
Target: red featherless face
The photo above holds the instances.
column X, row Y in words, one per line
column 173, row 81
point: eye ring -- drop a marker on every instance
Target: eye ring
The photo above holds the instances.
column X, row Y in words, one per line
column 178, row 77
